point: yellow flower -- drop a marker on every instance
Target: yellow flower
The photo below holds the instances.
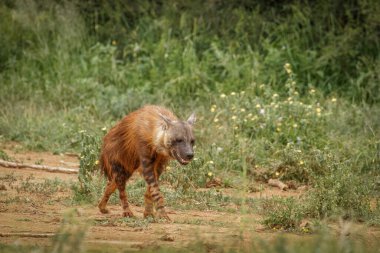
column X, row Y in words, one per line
column 216, row 120
column 209, row 174
column 168, row 168
column 277, row 173
column 295, row 125
column 288, row 68
column 211, row 162
column 242, row 92
column 333, row 100
column 114, row 42
column 275, row 95
column 278, row 129
column 236, row 127
column 301, row 162
column 104, row 129
column 312, row 91
column 223, row 95
column 233, row 93
column 242, row 110
column 318, row 110
column 212, row 109
column 233, row 117
column 258, row 106
column 96, row 162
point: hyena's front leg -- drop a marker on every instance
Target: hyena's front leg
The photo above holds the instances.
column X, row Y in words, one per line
column 148, row 212
column 153, row 194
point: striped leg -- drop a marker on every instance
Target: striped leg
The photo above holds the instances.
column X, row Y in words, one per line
column 124, row 201
column 153, row 194
column 148, row 203
column 121, row 177
column 110, row 188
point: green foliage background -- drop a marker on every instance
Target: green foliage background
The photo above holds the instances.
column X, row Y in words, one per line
column 72, row 66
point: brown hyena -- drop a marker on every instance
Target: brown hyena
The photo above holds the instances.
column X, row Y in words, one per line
column 147, row 138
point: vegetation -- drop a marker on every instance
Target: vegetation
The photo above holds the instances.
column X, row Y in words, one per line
column 280, row 91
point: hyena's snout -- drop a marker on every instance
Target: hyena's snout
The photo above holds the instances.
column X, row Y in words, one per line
column 190, row 155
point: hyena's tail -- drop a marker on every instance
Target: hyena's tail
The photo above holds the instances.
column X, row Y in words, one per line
column 105, row 167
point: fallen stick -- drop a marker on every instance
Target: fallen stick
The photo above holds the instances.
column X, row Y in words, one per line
column 26, row 235
column 38, row 167
column 277, row 183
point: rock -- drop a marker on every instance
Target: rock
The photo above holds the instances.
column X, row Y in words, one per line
column 215, row 182
column 167, row 238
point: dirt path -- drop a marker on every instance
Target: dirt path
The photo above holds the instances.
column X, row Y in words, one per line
column 27, row 206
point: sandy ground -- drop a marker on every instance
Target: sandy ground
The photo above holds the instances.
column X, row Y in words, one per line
column 26, row 212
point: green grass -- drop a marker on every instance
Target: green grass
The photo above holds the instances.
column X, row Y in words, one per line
column 47, row 188
column 281, row 90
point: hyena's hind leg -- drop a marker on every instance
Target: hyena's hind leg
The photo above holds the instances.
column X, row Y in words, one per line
column 121, row 177
column 110, row 188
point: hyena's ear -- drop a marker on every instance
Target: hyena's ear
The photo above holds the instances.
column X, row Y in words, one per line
column 168, row 122
column 191, row 120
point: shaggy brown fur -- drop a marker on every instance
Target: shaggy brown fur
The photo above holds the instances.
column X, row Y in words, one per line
column 147, row 138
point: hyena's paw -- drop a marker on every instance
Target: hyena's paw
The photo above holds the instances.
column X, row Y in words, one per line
column 128, row 213
column 161, row 214
column 103, row 210
column 148, row 215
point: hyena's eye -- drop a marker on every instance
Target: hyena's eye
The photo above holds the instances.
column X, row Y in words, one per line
column 179, row 140
column 192, row 142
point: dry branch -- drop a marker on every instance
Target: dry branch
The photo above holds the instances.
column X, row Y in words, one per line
column 26, row 235
column 38, row 167
column 278, row 183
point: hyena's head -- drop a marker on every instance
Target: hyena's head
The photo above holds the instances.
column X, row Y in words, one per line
column 179, row 139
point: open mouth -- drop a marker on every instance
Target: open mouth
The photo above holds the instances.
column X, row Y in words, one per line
column 179, row 159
